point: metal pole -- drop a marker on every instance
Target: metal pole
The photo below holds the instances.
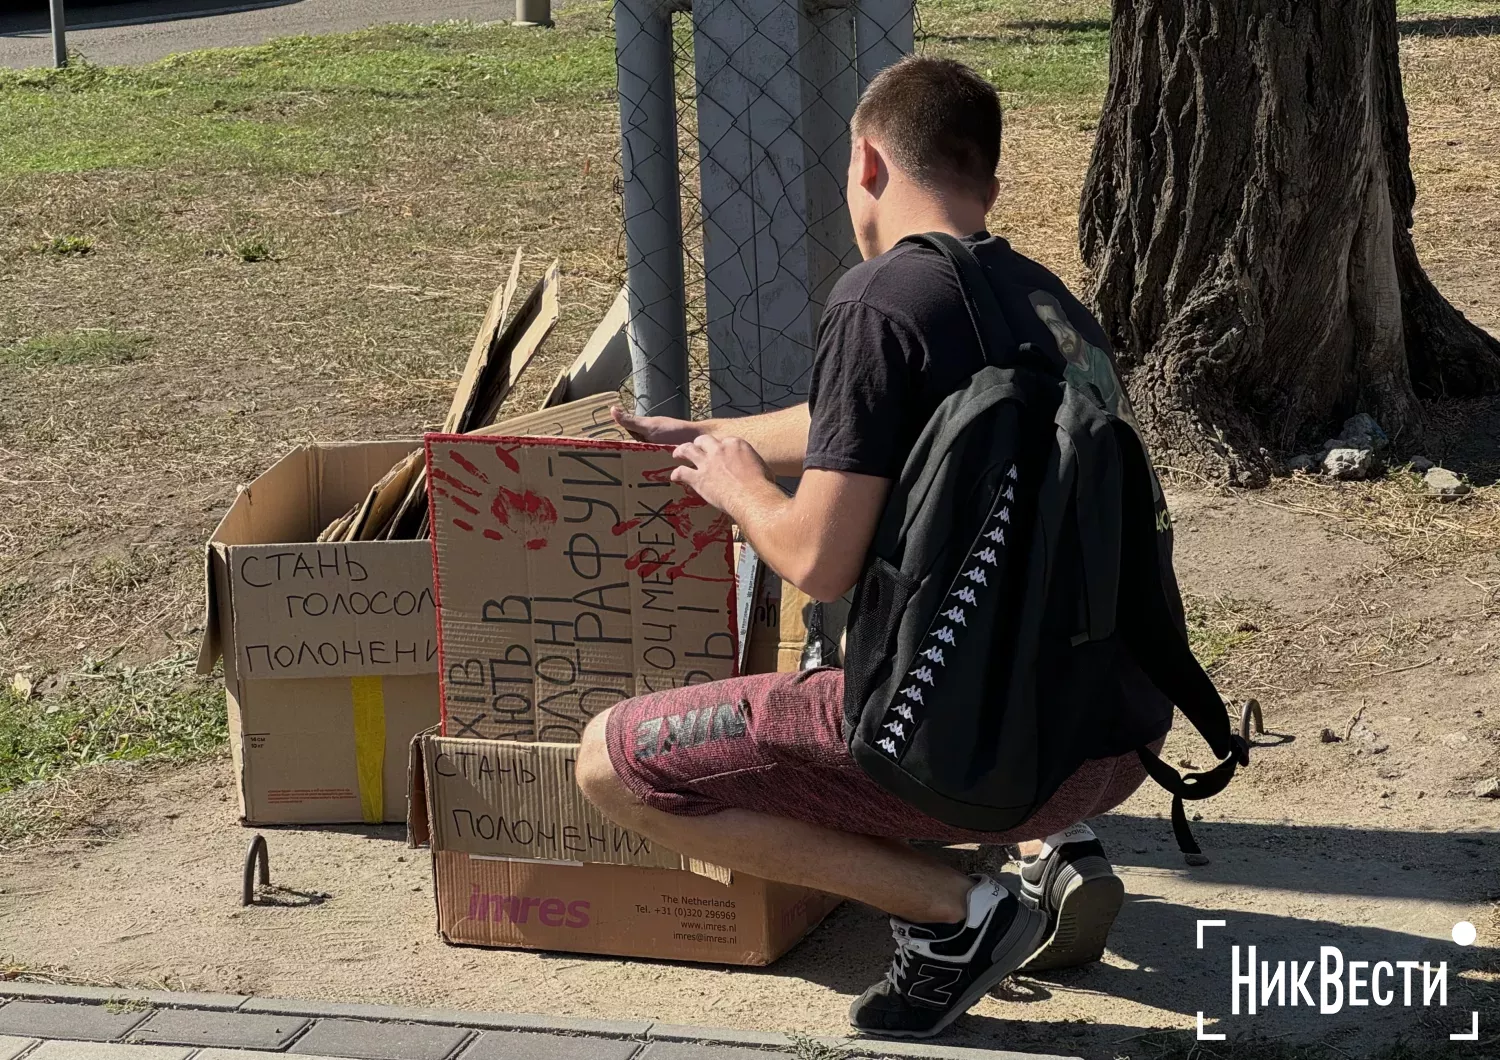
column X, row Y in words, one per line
column 533, row 13
column 653, row 208
column 59, row 35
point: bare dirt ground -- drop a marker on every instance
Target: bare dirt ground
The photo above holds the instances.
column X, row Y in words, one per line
column 1375, row 844
column 1368, row 610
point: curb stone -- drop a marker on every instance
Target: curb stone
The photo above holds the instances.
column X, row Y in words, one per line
column 643, row 1032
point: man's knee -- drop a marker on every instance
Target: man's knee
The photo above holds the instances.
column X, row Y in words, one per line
column 595, row 772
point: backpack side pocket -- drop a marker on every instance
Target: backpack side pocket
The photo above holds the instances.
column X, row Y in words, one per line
column 880, row 602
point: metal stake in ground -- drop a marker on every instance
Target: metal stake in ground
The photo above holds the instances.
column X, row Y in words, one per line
column 59, row 35
column 255, row 858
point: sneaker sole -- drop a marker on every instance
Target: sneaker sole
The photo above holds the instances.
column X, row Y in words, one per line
column 1092, row 897
column 1018, row 943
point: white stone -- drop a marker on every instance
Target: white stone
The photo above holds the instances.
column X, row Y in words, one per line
column 1349, row 463
column 1445, row 484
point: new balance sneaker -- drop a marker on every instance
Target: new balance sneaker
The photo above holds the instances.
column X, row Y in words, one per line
column 941, row 970
column 1072, row 883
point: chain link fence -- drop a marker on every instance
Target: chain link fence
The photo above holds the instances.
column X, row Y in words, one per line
column 734, row 118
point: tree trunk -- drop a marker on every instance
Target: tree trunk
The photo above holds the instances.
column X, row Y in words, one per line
column 1247, row 219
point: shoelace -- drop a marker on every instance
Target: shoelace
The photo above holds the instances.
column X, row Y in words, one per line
column 904, row 945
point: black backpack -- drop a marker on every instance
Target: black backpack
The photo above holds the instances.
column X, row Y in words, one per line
column 1017, row 614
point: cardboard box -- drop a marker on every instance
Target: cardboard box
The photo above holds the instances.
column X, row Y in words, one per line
column 570, row 576
column 520, row 859
column 330, row 651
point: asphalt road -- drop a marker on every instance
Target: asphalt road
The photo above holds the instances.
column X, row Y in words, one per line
column 145, row 30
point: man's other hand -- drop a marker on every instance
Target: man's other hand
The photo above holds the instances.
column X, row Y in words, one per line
column 719, row 469
column 663, row 430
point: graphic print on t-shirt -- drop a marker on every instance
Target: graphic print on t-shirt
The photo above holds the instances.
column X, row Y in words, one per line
column 1089, row 367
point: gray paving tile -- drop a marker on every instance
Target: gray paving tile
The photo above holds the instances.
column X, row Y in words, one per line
column 233, row 1029
column 108, row 1051
column 500, row 1021
column 250, row 1054
column 11, row 1047
column 380, row 1041
column 701, row 1051
column 43, row 1019
column 522, row 1045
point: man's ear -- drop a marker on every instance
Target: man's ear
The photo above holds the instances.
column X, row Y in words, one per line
column 994, row 193
column 868, row 165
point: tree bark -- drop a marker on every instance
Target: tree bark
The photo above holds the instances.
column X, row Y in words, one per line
column 1247, row 217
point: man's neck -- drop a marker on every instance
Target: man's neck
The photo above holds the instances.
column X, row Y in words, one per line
column 957, row 221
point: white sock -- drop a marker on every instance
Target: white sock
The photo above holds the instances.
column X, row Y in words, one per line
column 1079, row 833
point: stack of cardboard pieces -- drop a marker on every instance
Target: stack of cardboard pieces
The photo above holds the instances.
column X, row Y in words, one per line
column 368, row 667
column 319, row 584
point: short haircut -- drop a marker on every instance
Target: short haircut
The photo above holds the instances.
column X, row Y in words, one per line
column 937, row 119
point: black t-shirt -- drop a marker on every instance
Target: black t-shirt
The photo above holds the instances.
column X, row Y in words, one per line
column 896, row 339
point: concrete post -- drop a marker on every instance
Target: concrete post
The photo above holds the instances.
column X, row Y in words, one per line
column 776, row 87
column 533, row 13
column 884, row 31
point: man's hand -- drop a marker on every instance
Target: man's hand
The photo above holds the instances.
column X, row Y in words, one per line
column 721, row 470
column 663, row 430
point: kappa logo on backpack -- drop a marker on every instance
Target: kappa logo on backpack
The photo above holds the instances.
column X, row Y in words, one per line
column 1017, row 615
column 976, row 575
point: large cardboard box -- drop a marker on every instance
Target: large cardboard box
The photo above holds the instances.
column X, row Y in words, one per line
column 330, row 650
column 570, row 576
column 520, row 859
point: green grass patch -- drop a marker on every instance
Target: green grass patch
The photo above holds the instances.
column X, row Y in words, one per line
column 1034, row 53
column 91, row 347
column 111, row 714
column 302, row 104
column 253, row 250
column 1446, row 7
column 1217, row 627
column 63, row 246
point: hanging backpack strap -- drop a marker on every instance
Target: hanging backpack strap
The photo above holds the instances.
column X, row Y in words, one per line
column 1159, row 647
column 995, row 337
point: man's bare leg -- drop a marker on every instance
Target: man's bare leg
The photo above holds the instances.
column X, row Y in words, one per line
column 884, row 873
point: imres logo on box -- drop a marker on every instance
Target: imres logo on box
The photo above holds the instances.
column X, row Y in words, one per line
column 518, row 908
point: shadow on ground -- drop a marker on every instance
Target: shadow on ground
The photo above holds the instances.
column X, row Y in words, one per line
column 33, row 16
column 1288, row 891
column 1464, row 436
column 1451, row 26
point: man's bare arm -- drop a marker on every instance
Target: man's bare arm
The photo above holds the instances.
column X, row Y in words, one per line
column 816, row 539
column 779, row 437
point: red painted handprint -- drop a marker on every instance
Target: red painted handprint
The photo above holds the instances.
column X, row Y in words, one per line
column 512, row 513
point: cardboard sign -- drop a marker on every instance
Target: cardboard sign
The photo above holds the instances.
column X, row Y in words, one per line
column 587, row 417
column 570, row 575
column 331, row 610
column 501, row 798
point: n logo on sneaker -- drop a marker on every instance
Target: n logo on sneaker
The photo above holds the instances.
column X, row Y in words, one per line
column 933, row 984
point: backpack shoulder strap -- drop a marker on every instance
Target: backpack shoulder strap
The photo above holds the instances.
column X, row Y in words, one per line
column 1159, row 647
column 985, row 311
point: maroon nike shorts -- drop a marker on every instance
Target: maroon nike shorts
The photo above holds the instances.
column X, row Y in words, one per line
column 774, row 743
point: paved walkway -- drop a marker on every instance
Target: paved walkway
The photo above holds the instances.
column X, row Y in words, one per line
column 146, row 30
column 41, row 1022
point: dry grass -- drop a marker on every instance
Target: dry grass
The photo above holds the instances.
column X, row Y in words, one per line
column 1419, row 531
column 1452, row 88
column 304, row 250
